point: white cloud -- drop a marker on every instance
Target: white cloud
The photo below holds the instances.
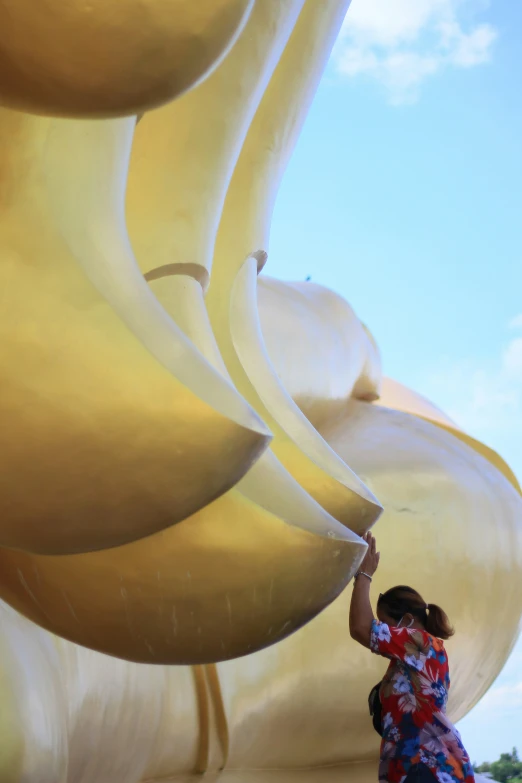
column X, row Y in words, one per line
column 504, row 698
column 512, row 360
column 516, row 322
column 506, row 693
column 485, row 398
column 495, row 725
column 400, row 43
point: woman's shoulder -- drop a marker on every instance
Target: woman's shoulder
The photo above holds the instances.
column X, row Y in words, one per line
column 436, row 643
column 414, row 647
column 424, row 645
column 436, row 651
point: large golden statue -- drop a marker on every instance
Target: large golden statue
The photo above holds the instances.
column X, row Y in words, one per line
column 191, row 451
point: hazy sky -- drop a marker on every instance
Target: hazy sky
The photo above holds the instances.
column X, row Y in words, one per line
column 405, row 195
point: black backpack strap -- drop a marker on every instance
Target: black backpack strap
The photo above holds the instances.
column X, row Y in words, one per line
column 375, row 707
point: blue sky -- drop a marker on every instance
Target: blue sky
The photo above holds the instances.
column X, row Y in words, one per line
column 405, row 195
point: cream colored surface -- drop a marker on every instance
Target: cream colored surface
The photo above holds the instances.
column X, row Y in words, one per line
column 321, row 352
column 397, row 396
column 106, row 58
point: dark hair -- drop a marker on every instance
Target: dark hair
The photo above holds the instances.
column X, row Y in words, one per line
column 402, row 600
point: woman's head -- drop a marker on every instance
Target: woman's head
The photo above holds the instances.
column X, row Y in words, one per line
column 403, row 606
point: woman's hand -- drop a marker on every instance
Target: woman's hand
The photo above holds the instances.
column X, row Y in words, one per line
column 371, row 559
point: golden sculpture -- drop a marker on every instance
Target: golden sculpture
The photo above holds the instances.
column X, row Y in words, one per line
column 104, row 58
column 190, row 451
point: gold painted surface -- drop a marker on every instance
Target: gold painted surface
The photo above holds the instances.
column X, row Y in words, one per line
column 182, row 162
column 216, row 695
column 298, row 445
column 223, row 583
column 355, row 773
column 398, row 397
column 99, row 352
column 184, row 154
column 355, row 508
column 106, row 58
column 268, row 483
column 335, row 358
column 203, row 719
column 301, row 704
column 12, row 731
column 109, row 600
column 231, row 299
column 299, row 707
column 113, row 425
column 311, row 690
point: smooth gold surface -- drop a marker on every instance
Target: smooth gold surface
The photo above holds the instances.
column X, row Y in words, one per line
column 395, row 395
column 299, row 707
column 12, row 730
column 269, row 478
column 241, row 574
column 105, row 437
column 227, row 581
column 335, row 358
column 184, row 154
column 116, row 594
column 297, row 443
column 232, row 294
column 106, row 58
column 181, row 165
column 429, row 482
column 127, row 403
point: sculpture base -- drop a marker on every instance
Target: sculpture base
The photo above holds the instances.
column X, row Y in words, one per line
column 363, row 772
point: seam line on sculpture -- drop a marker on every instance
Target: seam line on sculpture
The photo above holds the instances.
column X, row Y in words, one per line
column 202, row 757
column 196, row 271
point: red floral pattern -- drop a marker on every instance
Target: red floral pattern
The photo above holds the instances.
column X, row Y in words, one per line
column 414, row 694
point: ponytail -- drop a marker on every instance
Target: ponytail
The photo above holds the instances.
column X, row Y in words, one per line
column 403, row 600
column 437, row 622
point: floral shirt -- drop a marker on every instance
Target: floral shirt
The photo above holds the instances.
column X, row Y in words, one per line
column 413, row 694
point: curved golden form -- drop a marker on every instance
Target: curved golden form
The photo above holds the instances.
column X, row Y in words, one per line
column 232, row 295
column 145, row 510
column 210, row 611
column 336, row 357
column 107, row 58
column 298, row 709
column 228, row 581
column 105, row 438
column 182, row 164
column 395, row 395
column 184, row 154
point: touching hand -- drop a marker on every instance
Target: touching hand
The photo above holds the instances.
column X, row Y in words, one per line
column 371, row 559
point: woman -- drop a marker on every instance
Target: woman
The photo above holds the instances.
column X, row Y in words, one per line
column 419, row 742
